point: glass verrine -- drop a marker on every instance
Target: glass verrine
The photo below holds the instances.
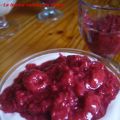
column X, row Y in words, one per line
column 99, row 22
column 7, row 28
column 49, row 11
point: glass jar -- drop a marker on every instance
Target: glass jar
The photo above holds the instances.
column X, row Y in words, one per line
column 99, row 22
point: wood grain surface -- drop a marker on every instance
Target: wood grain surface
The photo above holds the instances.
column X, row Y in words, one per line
column 35, row 36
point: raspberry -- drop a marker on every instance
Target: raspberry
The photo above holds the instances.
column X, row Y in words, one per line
column 37, row 107
column 92, row 103
column 79, row 115
column 78, row 61
column 36, row 81
column 63, row 105
column 96, row 77
column 30, row 66
column 22, row 97
column 67, row 78
column 80, row 88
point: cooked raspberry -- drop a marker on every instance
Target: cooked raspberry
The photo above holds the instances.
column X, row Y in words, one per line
column 22, row 97
column 78, row 61
column 60, row 114
column 79, row 115
column 96, row 77
column 38, row 107
column 31, row 66
column 80, row 88
column 60, row 59
column 66, row 99
column 63, row 105
column 67, row 78
column 36, row 81
column 92, row 103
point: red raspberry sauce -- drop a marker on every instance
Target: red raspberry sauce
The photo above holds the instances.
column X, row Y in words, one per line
column 67, row 88
column 103, row 34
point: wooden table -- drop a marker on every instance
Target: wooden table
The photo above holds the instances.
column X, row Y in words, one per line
column 35, row 36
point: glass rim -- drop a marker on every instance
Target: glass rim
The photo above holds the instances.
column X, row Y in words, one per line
column 93, row 6
column 109, row 65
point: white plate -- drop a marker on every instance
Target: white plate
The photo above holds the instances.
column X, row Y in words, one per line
column 113, row 108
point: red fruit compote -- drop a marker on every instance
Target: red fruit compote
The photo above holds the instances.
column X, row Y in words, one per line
column 102, row 34
column 73, row 87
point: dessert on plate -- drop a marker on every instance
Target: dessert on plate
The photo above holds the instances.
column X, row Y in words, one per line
column 59, row 85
